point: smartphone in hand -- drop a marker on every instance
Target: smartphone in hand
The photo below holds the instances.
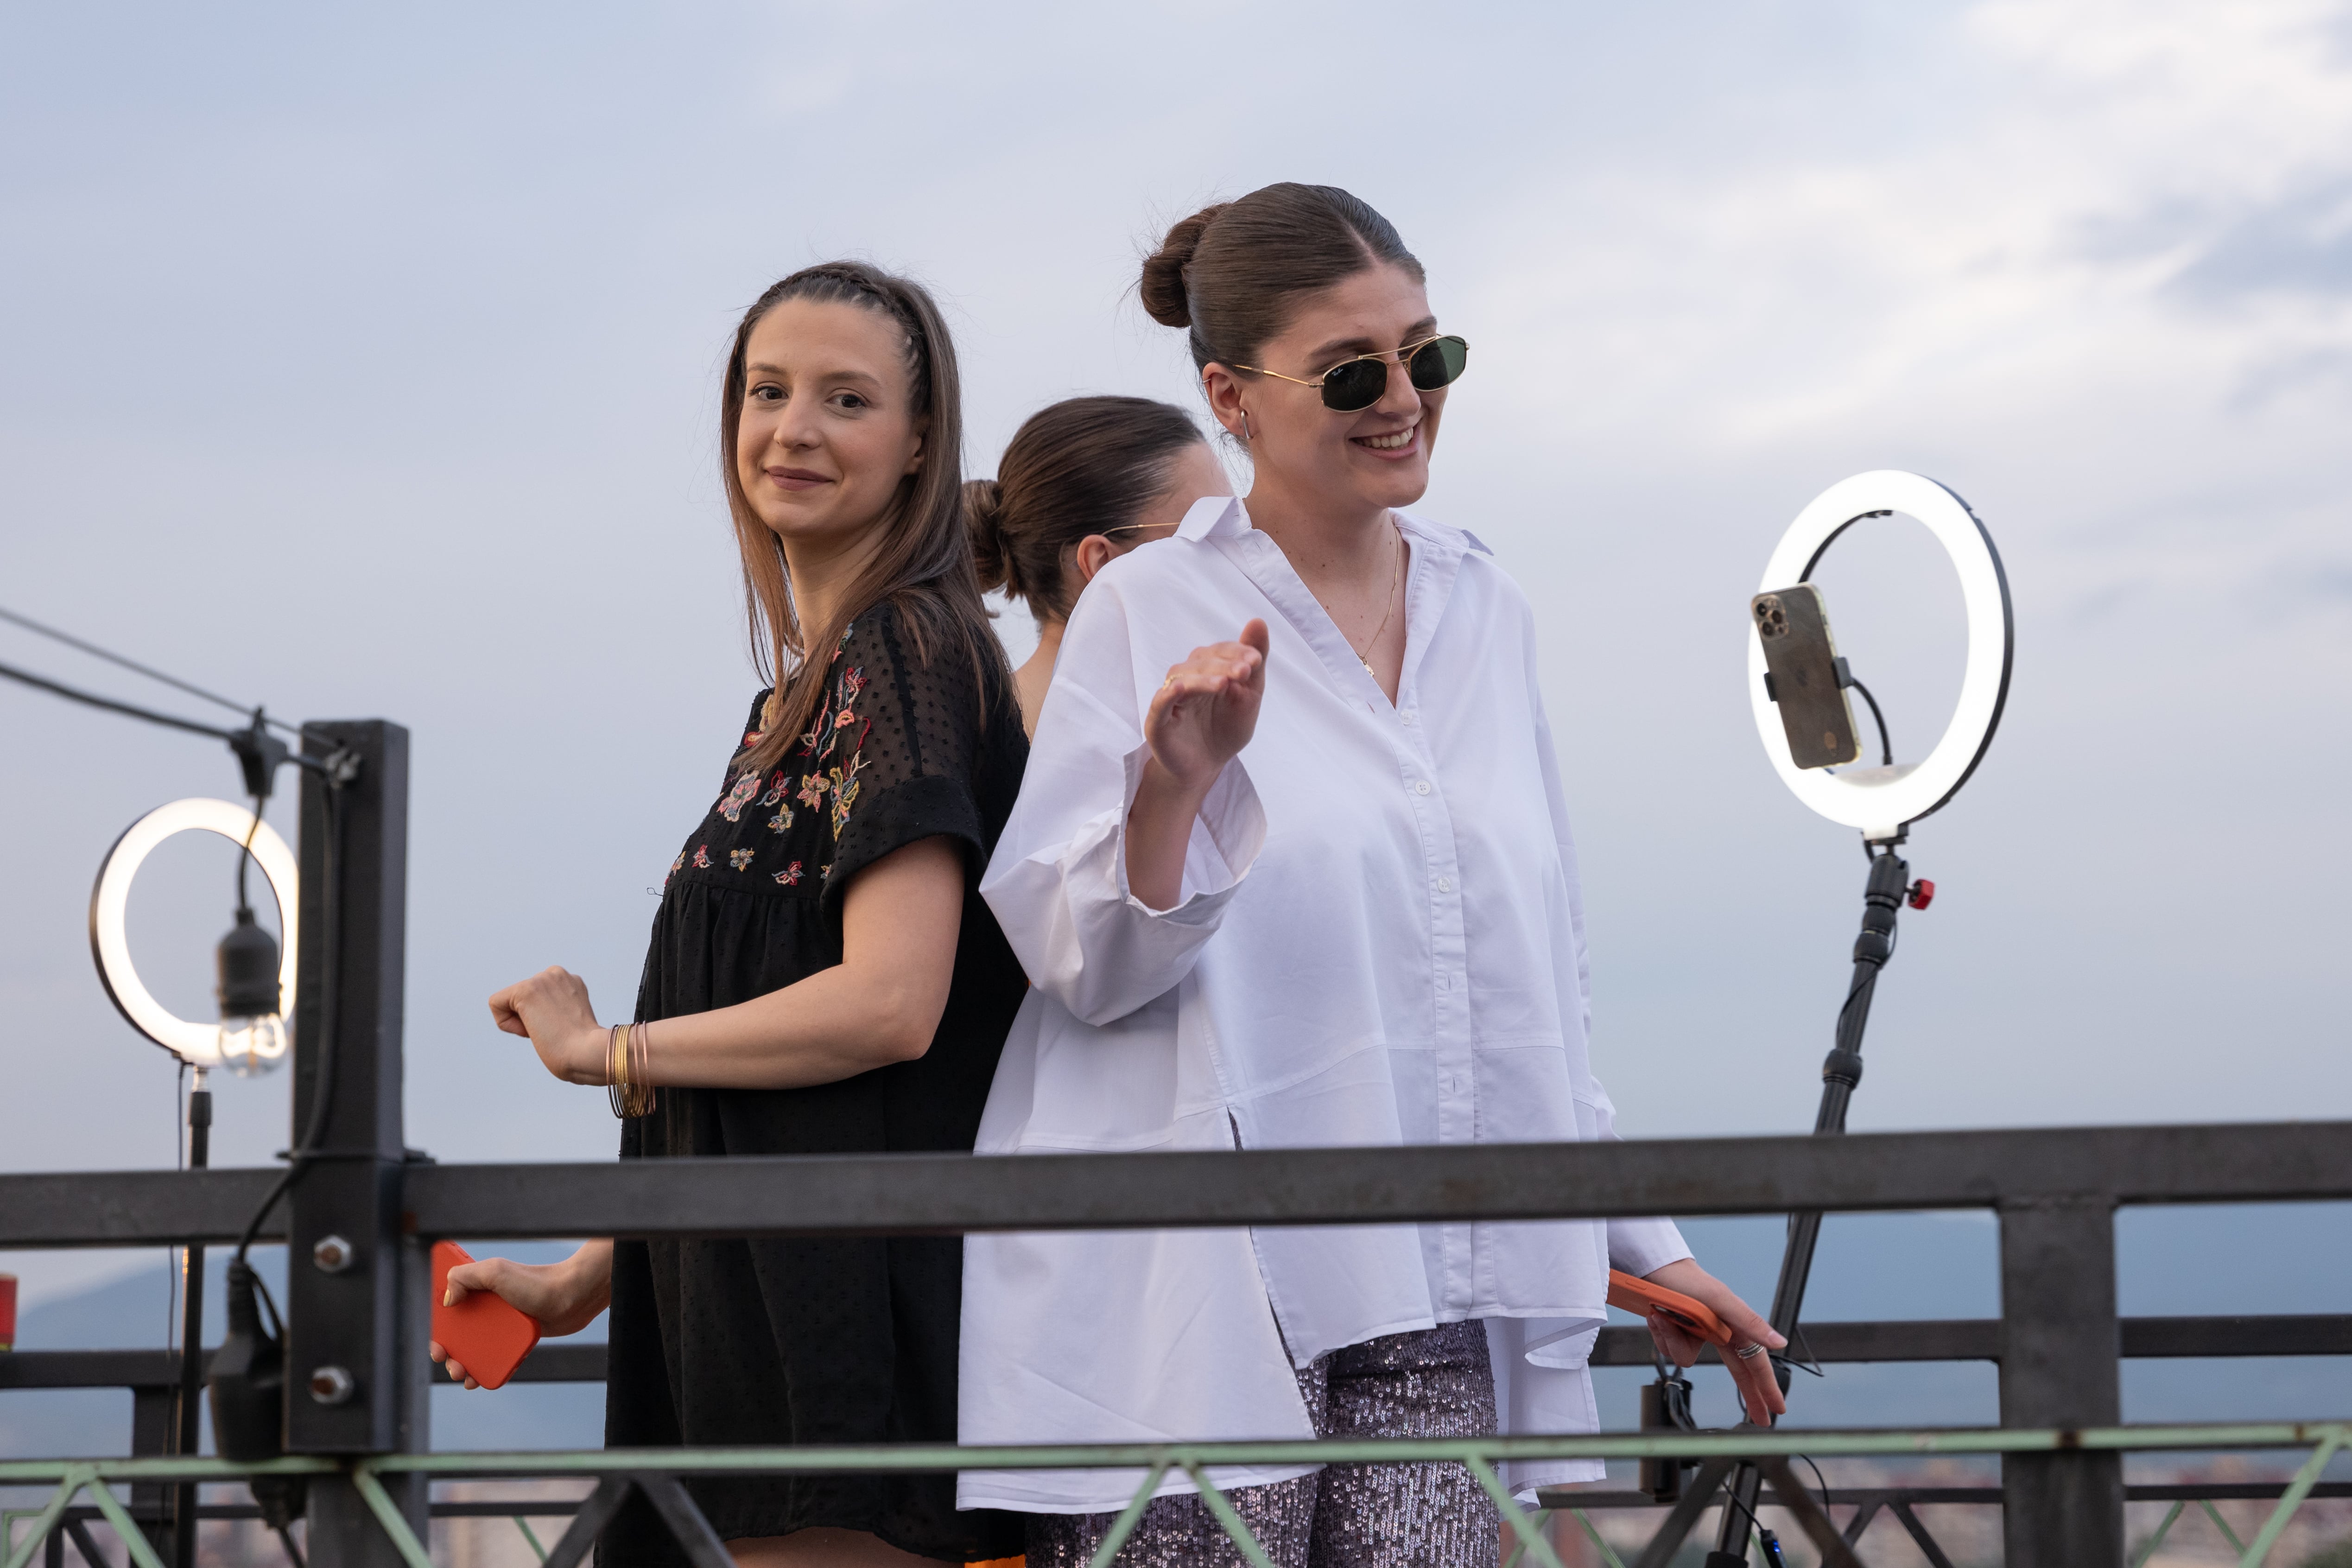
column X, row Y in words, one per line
column 482, row 1333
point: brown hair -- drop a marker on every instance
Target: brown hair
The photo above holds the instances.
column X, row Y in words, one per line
column 1074, row 468
column 923, row 569
column 1232, row 271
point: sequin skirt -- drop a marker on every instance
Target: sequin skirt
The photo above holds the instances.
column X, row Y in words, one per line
column 1436, row 1382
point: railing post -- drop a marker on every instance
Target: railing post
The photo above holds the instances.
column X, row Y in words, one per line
column 2061, row 1353
column 354, row 1370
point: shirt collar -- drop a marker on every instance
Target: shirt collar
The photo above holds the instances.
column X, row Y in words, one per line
column 1213, row 515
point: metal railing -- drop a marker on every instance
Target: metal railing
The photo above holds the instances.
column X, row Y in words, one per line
column 2057, row 1344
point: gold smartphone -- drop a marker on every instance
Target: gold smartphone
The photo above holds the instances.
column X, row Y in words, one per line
column 1801, row 674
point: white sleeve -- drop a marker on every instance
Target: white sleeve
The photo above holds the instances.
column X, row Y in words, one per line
column 1058, row 882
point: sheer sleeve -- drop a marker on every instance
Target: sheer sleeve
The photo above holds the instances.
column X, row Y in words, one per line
column 894, row 748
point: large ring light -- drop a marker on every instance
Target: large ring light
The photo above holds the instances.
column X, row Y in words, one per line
column 196, row 1044
column 1881, row 800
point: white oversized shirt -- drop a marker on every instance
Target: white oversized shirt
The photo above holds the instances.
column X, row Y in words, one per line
column 1379, row 941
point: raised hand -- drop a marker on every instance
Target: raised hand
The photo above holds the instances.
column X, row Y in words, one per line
column 552, row 1008
column 1199, row 719
column 1206, row 711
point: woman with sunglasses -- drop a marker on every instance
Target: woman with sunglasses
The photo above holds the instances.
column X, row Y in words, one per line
column 1083, row 482
column 1363, row 930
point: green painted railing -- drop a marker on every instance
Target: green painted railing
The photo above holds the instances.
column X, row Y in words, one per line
column 1480, row 1455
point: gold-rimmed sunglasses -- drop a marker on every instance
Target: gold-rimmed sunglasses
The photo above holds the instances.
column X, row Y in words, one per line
column 1355, row 384
column 1126, row 531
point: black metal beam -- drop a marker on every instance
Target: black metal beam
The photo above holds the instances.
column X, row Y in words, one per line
column 1922, row 1340
column 2060, row 1344
column 916, row 1194
column 133, row 1208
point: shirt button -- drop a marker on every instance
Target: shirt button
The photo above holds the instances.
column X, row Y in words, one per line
column 1444, row 983
column 1407, row 718
column 1444, row 884
column 1420, row 787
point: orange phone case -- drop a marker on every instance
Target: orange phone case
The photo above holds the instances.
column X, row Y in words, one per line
column 1641, row 1298
column 481, row 1334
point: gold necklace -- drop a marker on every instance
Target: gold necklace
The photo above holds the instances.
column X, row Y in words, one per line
column 1396, row 570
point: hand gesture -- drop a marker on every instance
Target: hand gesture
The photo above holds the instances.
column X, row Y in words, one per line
column 552, row 1008
column 1759, row 1384
column 1206, row 711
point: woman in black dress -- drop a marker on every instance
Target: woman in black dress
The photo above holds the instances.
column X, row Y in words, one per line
column 824, row 977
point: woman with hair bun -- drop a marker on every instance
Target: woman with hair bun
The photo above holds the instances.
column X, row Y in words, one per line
column 1084, row 480
column 1291, row 868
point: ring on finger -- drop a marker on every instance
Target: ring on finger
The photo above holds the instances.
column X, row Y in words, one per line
column 1749, row 1350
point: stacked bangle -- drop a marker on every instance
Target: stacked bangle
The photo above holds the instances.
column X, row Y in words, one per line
column 629, row 1069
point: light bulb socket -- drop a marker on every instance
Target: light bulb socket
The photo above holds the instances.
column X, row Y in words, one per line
column 248, row 971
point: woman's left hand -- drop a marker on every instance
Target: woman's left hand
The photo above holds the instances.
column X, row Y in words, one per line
column 552, row 1007
column 1758, row 1385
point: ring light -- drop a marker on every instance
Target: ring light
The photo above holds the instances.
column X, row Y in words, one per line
column 196, row 1043
column 1881, row 800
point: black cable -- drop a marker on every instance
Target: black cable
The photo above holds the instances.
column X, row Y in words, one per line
column 95, row 651
column 322, row 1089
column 1821, row 1479
column 1885, row 747
column 76, row 694
column 293, row 1552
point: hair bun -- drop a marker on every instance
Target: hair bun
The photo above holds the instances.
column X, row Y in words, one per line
column 1162, row 286
column 984, row 514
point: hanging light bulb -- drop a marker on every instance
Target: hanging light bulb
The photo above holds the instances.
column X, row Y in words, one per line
column 252, row 1034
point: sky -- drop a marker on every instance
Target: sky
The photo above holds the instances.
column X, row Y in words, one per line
column 365, row 363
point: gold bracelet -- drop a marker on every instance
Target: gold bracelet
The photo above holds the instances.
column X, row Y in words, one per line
column 635, row 1096
column 614, row 1070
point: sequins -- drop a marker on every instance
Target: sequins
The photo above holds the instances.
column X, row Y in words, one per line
column 1436, row 1382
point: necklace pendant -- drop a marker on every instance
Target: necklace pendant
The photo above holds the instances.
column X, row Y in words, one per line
column 1368, row 670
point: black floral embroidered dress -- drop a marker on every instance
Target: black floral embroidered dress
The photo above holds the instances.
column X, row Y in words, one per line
column 825, row 1341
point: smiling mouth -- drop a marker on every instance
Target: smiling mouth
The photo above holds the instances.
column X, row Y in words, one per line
column 796, row 478
column 1390, row 442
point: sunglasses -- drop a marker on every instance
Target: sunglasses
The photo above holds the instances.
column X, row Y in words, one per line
column 1355, row 384
column 1129, row 531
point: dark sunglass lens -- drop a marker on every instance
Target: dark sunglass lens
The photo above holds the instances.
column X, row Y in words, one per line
column 1439, row 363
column 1355, row 386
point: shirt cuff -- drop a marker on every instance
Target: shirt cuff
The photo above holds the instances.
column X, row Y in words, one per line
column 1643, row 1246
column 1226, row 836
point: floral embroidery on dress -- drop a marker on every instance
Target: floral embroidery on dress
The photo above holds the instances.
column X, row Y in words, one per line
column 777, row 788
column 674, row 868
column 836, row 744
column 739, row 858
column 782, row 822
column 731, row 808
column 702, row 855
column 789, row 875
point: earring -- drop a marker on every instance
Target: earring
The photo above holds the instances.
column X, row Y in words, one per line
column 1245, row 429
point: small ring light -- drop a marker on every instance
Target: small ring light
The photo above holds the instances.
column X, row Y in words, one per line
column 196, row 1043
column 1882, row 800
